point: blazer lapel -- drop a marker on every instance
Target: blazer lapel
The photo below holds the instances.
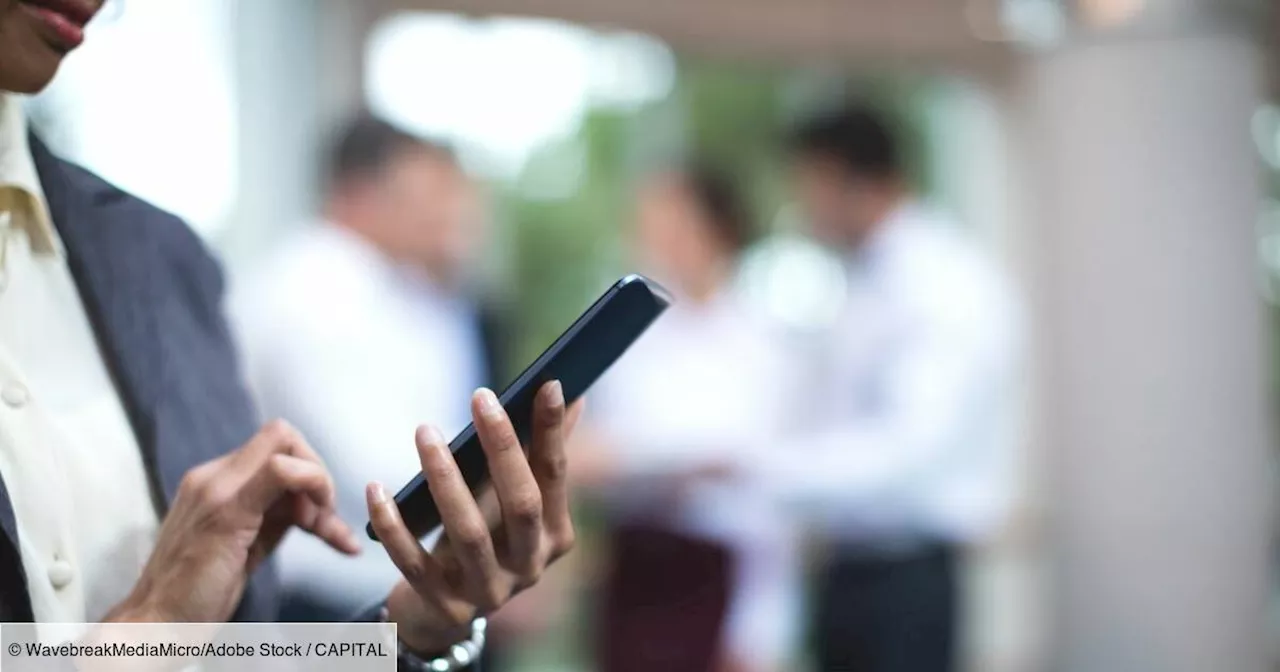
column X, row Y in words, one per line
column 114, row 266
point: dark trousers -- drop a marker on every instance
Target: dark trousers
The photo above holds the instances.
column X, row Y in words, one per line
column 664, row 603
column 888, row 614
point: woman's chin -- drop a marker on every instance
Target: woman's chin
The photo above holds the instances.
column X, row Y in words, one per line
column 26, row 84
column 28, row 64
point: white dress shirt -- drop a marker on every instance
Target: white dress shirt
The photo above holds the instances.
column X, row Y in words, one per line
column 905, row 416
column 700, row 387
column 356, row 352
column 70, row 460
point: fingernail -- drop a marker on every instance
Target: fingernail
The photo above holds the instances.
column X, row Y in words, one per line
column 429, row 435
column 376, row 494
column 489, row 405
column 555, row 393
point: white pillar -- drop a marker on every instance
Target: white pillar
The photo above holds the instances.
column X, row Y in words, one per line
column 1150, row 327
column 298, row 73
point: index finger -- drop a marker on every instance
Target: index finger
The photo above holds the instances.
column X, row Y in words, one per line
column 275, row 437
column 280, row 438
column 298, row 483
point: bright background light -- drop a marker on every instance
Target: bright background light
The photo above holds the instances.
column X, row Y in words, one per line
column 500, row 88
column 149, row 104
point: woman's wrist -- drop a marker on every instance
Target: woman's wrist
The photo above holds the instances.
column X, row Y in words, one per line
column 136, row 609
column 460, row 656
column 418, row 631
column 460, row 653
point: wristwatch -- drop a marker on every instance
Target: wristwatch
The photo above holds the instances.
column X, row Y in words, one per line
column 460, row 656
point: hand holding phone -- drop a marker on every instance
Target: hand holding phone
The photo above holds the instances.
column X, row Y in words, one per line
column 479, row 563
column 576, row 359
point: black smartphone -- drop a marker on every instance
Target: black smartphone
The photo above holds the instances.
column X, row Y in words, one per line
column 577, row 359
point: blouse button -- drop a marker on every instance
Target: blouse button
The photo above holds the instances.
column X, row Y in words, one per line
column 60, row 574
column 15, row 394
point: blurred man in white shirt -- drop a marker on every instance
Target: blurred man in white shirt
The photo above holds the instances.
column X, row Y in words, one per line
column 358, row 327
column 905, row 458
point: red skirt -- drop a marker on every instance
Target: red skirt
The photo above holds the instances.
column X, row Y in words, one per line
column 664, row 602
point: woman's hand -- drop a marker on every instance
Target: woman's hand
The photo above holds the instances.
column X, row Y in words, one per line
column 228, row 516
column 480, row 564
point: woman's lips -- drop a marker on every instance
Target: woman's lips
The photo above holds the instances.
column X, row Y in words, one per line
column 65, row 19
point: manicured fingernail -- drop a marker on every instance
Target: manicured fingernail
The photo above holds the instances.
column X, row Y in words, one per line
column 555, row 393
column 376, row 494
column 489, row 405
column 429, row 435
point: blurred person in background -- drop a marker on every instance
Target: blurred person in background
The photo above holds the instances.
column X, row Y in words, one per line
column 702, row 574
column 139, row 485
column 361, row 323
column 910, row 395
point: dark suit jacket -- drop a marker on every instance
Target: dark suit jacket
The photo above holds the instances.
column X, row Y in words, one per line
column 152, row 292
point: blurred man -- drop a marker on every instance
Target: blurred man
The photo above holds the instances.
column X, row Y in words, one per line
column 361, row 324
column 908, row 394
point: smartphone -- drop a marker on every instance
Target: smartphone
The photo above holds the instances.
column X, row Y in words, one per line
column 577, row 359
